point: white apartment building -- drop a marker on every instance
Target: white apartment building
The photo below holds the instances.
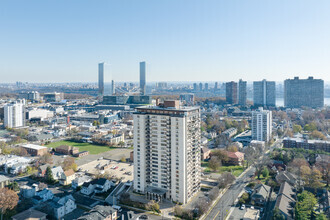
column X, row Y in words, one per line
column 14, row 114
column 167, row 151
column 261, row 125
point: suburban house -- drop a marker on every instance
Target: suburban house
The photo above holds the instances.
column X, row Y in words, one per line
column 40, row 137
column 205, row 153
column 30, row 214
column 286, row 200
column 260, row 194
column 114, row 138
column 59, row 207
column 4, row 181
column 100, row 212
column 100, row 185
column 79, row 181
column 67, row 177
column 286, row 176
column 57, row 172
column 43, row 196
column 235, row 158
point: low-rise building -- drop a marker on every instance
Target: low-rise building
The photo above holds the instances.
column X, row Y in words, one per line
column 35, row 150
column 306, row 144
column 57, row 173
column 30, row 214
column 205, row 153
column 67, row 150
column 100, row 212
column 260, row 194
column 4, row 181
column 68, row 177
column 79, row 181
column 286, row 200
column 235, row 158
column 81, row 154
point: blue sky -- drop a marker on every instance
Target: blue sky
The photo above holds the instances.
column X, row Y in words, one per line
column 181, row 40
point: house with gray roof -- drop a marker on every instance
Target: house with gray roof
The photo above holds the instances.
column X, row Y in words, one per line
column 100, row 212
column 260, row 194
column 286, row 200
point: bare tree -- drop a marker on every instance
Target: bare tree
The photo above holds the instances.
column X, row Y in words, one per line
column 214, row 163
column 8, row 200
column 202, row 206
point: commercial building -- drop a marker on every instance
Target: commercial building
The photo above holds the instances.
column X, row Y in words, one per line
column 261, row 125
column 143, row 78
column 188, row 98
column 38, row 113
column 14, row 114
column 242, row 93
column 33, row 96
column 101, row 79
column 167, row 151
column 303, row 92
column 35, row 150
column 124, row 100
column 264, row 93
column 54, row 97
column 231, row 92
column 306, row 144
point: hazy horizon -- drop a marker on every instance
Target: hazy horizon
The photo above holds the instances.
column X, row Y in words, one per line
column 210, row 40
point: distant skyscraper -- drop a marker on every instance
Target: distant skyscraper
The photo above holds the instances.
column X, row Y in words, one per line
column 143, row 78
column 14, row 114
column 113, row 88
column 264, row 93
column 303, row 92
column 200, row 86
column 195, row 87
column 242, row 92
column 231, row 92
column 188, row 98
column 206, row 87
column 216, row 86
column 261, row 125
column 167, row 152
column 101, row 79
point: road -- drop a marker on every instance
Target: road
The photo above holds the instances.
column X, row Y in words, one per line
column 220, row 210
column 223, row 206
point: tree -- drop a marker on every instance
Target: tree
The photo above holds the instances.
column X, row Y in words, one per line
column 305, row 205
column 277, row 215
column 42, row 186
column 214, row 163
column 318, row 135
column 123, row 159
column 49, row 175
column 324, row 167
column 214, row 193
column 96, row 123
column 69, row 163
column 232, row 148
column 178, row 211
column 46, row 158
column 310, row 127
column 313, row 178
column 14, row 186
column 202, row 206
column 8, row 200
column 153, row 206
column 298, row 166
column 225, row 179
column 221, row 154
column 265, row 172
column 296, row 128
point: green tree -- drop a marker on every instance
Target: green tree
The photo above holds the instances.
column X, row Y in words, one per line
column 96, row 123
column 14, row 186
column 297, row 128
column 49, row 175
column 277, row 215
column 265, row 172
column 305, row 205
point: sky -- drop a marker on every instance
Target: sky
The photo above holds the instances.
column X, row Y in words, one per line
column 181, row 40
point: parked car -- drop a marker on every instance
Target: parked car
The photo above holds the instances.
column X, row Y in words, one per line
column 242, row 207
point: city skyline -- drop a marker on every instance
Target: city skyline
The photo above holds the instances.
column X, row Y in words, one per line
column 205, row 41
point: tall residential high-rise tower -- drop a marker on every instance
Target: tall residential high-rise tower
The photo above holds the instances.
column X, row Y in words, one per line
column 143, row 78
column 167, row 151
column 14, row 114
column 303, row 92
column 231, row 92
column 261, row 125
column 113, row 87
column 101, row 79
column 242, row 92
column 264, row 93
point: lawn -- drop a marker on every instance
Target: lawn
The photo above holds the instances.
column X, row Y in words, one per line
column 235, row 170
column 92, row 148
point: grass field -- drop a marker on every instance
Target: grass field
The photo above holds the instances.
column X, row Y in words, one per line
column 235, row 170
column 92, row 148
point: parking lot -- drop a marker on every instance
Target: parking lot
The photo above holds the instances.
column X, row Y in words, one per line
column 115, row 168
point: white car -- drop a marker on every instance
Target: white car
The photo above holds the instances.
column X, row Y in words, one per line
column 242, row 207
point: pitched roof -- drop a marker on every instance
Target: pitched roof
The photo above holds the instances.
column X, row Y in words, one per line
column 69, row 172
column 286, row 199
column 29, row 214
column 98, row 212
column 235, row 155
column 262, row 190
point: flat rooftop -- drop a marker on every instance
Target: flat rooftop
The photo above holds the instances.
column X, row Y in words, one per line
column 33, row 146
